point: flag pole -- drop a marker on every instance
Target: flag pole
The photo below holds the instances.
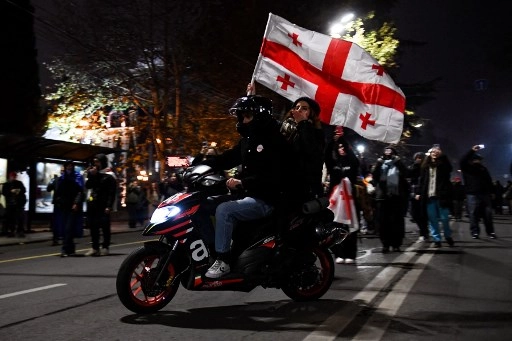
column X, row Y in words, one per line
column 251, row 88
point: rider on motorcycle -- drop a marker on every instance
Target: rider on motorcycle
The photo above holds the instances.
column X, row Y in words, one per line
column 261, row 152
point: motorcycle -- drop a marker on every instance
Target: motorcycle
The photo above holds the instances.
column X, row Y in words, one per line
column 287, row 253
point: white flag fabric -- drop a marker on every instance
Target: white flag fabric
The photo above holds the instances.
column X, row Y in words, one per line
column 353, row 90
column 341, row 203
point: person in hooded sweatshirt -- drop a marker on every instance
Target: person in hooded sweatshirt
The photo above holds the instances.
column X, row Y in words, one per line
column 100, row 201
column 479, row 187
column 391, row 199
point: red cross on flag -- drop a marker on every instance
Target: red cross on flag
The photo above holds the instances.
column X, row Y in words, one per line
column 353, row 90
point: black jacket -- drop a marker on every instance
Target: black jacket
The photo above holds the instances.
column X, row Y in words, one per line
column 12, row 199
column 103, row 190
column 443, row 169
column 339, row 166
column 307, row 146
column 69, row 191
column 264, row 158
column 379, row 180
column 413, row 174
column 477, row 179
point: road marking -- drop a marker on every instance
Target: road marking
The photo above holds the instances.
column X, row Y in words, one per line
column 376, row 326
column 336, row 323
column 57, row 254
column 32, row 290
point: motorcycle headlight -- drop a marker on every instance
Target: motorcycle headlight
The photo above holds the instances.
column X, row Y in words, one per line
column 163, row 213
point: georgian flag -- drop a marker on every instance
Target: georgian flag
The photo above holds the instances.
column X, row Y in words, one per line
column 341, row 203
column 353, row 90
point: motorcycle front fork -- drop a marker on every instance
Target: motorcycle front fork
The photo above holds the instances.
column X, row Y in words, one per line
column 163, row 266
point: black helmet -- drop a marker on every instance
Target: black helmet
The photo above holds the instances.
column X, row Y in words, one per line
column 260, row 107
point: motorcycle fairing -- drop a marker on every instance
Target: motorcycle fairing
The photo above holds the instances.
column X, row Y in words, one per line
column 172, row 200
column 180, row 225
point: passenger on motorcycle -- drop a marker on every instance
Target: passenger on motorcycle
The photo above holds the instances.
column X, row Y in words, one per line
column 261, row 152
column 304, row 132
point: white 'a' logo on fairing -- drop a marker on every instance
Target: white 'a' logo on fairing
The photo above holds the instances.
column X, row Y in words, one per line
column 199, row 250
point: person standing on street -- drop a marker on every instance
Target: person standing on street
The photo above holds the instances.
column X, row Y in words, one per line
column 136, row 204
column 479, row 187
column 14, row 192
column 341, row 162
column 436, row 191
column 391, row 197
column 459, row 194
column 102, row 195
column 418, row 209
column 68, row 197
column 55, row 222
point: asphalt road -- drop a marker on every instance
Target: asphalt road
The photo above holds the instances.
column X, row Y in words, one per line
column 459, row 293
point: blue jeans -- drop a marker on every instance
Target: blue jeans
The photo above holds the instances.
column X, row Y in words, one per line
column 230, row 212
column 437, row 214
column 479, row 206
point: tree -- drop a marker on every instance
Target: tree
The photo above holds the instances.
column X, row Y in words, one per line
column 137, row 52
column 178, row 62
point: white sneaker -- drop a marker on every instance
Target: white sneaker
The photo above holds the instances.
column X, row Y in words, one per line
column 349, row 261
column 93, row 253
column 104, row 251
column 339, row 260
column 218, row 269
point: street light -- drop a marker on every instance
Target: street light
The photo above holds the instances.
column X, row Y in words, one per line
column 338, row 28
column 360, row 149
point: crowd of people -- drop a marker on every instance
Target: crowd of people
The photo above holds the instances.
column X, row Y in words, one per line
column 309, row 164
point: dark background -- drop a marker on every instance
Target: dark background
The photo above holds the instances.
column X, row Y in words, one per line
column 460, row 43
column 465, row 42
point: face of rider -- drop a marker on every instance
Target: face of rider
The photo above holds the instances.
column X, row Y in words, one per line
column 245, row 118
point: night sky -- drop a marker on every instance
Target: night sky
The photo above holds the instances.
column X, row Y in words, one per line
column 463, row 39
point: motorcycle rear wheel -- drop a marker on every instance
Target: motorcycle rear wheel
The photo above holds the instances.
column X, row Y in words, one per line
column 136, row 282
column 311, row 280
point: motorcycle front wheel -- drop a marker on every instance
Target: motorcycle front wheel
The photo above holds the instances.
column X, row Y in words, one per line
column 136, row 282
column 312, row 275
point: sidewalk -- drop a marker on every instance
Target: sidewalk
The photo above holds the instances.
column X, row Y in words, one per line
column 41, row 231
